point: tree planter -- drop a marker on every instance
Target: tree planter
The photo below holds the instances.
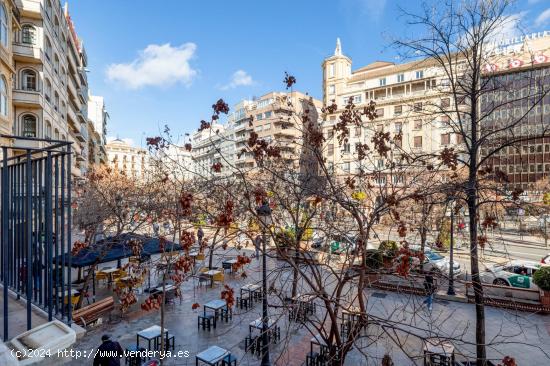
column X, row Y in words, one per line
column 373, row 277
column 545, row 298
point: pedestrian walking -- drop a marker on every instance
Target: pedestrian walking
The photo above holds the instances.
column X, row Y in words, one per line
column 109, row 353
column 257, row 243
column 200, row 234
column 429, row 286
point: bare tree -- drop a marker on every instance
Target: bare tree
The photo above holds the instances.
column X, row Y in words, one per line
column 458, row 41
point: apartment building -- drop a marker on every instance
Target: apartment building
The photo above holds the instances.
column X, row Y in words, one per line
column 411, row 97
column 275, row 119
column 130, row 160
column 214, row 146
column 97, row 129
column 175, row 161
column 404, row 95
column 9, row 25
column 77, row 92
column 50, row 90
column 40, row 92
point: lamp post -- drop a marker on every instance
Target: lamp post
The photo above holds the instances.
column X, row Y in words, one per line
column 451, row 289
column 264, row 214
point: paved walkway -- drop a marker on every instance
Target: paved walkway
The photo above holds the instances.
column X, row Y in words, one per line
column 397, row 321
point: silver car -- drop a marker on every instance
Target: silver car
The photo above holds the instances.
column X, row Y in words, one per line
column 433, row 261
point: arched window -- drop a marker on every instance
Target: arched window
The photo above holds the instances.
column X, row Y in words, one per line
column 48, row 7
column 63, row 109
column 3, row 25
column 48, row 48
column 56, row 101
column 56, row 63
column 28, row 80
column 63, row 75
column 56, row 23
column 56, row 134
column 29, row 126
column 28, row 34
column 48, row 90
column 3, row 96
column 48, row 133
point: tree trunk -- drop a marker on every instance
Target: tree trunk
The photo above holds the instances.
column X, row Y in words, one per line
column 423, row 237
column 476, row 281
column 212, row 247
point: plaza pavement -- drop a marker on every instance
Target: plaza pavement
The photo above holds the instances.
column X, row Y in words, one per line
column 522, row 335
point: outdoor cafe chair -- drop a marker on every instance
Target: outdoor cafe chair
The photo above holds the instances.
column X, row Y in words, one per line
column 219, row 277
column 101, row 276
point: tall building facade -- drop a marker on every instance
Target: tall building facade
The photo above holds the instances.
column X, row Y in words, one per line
column 174, row 161
column 97, row 128
column 132, row 161
column 403, row 94
column 213, row 146
column 9, row 25
column 50, row 90
column 411, row 100
column 268, row 116
column 519, row 96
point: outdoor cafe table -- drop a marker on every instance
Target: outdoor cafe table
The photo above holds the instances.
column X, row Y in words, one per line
column 259, row 324
column 439, row 349
column 228, row 263
column 215, row 305
column 212, row 355
column 150, row 334
column 251, row 289
column 306, row 301
column 351, row 314
column 167, row 288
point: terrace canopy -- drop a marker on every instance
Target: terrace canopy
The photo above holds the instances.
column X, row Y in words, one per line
column 116, row 248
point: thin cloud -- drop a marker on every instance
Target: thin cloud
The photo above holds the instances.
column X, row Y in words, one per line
column 543, row 18
column 374, row 9
column 239, row 78
column 156, row 65
column 509, row 27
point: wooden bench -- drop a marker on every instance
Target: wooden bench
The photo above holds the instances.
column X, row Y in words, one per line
column 91, row 313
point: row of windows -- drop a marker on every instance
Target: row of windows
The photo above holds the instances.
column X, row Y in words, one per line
column 261, row 116
column 445, row 139
column 419, row 74
column 531, row 168
column 525, row 149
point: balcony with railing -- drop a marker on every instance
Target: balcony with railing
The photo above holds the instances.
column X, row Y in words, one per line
column 27, row 98
column 27, row 53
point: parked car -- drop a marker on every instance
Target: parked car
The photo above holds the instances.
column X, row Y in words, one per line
column 517, row 273
column 434, row 261
column 335, row 244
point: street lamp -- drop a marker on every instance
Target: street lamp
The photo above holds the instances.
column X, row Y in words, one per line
column 264, row 214
column 451, row 289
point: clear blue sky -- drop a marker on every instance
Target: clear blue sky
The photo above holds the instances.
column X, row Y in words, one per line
column 167, row 61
